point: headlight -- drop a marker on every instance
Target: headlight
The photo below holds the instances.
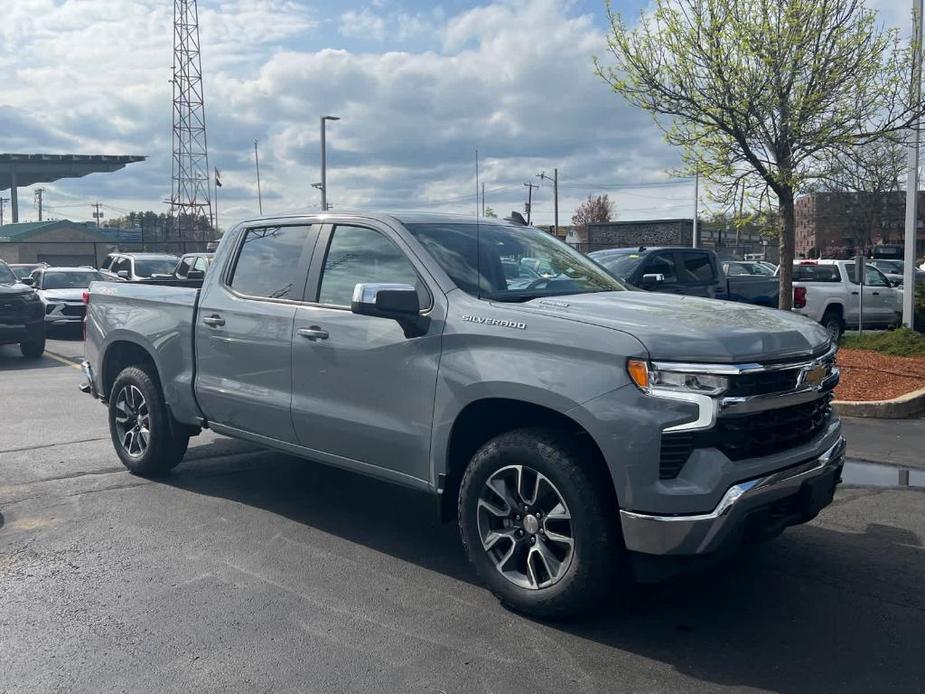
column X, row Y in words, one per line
column 647, row 378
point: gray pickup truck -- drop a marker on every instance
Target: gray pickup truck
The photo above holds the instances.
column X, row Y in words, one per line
column 569, row 426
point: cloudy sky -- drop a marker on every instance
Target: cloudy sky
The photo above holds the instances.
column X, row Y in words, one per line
column 419, row 85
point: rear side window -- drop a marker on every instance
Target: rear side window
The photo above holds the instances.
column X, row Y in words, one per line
column 698, row 267
column 816, row 273
column 359, row 255
column 268, row 263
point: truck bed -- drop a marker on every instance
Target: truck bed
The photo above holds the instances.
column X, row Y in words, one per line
column 159, row 315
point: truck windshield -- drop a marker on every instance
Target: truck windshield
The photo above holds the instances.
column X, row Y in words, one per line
column 70, row 280
column 551, row 267
column 620, row 265
column 6, row 275
column 148, row 267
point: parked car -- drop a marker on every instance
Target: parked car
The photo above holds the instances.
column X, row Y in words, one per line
column 24, row 270
column 61, row 291
column 138, row 266
column 681, row 270
column 20, row 315
column 571, row 428
column 894, row 271
column 826, row 291
column 193, row 266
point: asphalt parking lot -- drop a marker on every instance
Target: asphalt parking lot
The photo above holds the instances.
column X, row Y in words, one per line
column 254, row 571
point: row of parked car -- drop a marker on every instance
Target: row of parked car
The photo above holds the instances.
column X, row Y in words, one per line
column 34, row 296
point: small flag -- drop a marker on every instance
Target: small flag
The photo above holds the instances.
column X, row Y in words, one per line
column 218, row 178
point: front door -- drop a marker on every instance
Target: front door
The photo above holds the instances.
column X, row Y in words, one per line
column 362, row 391
column 663, row 265
column 879, row 306
column 244, row 332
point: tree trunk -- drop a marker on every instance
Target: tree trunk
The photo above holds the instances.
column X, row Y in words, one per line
column 787, row 243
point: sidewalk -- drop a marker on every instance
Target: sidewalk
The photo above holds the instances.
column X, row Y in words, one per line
column 893, row 441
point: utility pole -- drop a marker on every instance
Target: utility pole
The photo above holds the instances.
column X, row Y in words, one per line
column 39, row 192
column 3, row 201
column 477, row 183
column 912, row 178
column 555, row 188
column 259, row 196
column 695, row 240
column 483, row 199
column 97, row 215
column 324, row 164
column 528, row 208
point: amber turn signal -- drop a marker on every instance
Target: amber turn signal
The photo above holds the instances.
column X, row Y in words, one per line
column 639, row 372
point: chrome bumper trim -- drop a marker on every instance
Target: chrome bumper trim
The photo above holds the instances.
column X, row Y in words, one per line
column 707, row 532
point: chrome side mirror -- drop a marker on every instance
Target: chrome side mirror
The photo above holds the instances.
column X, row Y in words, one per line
column 652, row 279
column 123, row 274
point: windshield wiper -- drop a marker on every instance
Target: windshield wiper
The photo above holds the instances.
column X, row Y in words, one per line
column 520, row 297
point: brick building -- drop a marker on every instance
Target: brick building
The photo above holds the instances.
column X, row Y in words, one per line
column 835, row 225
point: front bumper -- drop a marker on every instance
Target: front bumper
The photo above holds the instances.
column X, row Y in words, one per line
column 768, row 503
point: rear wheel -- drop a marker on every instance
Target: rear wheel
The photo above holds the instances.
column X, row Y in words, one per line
column 539, row 525
column 34, row 347
column 833, row 324
column 146, row 440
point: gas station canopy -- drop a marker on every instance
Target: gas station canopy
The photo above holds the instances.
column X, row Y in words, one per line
column 18, row 170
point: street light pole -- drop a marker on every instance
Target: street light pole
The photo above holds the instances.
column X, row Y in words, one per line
column 555, row 193
column 912, row 178
column 324, row 164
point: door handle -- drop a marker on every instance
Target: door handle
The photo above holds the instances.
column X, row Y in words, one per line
column 854, row 293
column 313, row 333
column 876, row 293
column 214, row 321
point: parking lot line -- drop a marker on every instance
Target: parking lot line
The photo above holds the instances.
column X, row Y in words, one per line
column 63, row 360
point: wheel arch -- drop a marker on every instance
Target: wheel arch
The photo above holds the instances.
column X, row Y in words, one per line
column 122, row 353
column 482, row 419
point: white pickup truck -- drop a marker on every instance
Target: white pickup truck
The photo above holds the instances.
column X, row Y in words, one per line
column 826, row 291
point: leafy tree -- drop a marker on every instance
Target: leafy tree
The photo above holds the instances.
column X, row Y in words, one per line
column 758, row 92
column 489, row 212
column 597, row 208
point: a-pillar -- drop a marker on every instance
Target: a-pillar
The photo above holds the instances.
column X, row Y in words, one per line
column 14, row 198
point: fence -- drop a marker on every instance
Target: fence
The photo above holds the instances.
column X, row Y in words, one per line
column 76, row 253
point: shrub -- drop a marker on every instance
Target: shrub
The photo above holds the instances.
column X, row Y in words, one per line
column 897, row 343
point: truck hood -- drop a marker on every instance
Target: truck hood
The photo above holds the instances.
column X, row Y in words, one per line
column 686, row 328
column 62, row 294
column 14, row 289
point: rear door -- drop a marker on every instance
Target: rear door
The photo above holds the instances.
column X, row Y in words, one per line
column 244, row 331
column 364, row 393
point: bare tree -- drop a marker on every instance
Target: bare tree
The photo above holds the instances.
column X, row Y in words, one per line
column 758, row 92
column 864, row 183
column 597, row 208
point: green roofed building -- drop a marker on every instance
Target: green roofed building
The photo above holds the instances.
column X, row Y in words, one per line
column 57, row 242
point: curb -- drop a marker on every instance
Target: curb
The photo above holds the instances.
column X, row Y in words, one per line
column 904, row 406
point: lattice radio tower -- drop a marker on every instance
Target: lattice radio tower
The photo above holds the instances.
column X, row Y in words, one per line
column 190, row 196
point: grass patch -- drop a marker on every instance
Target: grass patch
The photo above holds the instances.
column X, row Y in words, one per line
column 895, row 343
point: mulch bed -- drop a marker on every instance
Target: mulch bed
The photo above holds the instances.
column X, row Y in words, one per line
column 869, row 375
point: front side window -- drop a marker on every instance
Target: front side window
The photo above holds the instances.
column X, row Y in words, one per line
column 875, row 278
column 475, row 256
column 662, row 265
column 359, row 255
column 268, row 263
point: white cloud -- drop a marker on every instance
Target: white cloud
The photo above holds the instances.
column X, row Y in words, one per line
column 513, row 78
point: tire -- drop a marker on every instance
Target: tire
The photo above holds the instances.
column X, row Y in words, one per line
column 136, row 406
column 34, row 348
column 586, row 576
column 833, row 324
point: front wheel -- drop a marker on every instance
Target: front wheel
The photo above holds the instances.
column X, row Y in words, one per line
column 539, row 524
column 34, row 348
column 145, row 439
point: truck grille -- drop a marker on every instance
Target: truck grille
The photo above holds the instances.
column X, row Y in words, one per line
column 763, row 382
column 748, row 436
column 12, row 309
